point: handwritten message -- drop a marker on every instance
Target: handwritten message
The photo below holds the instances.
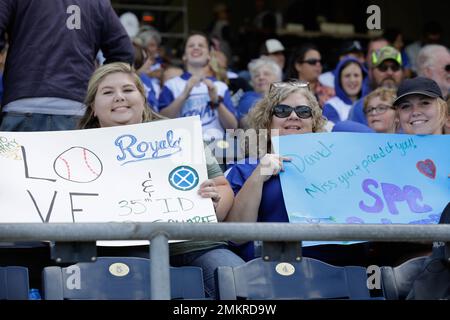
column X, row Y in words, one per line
column 365, row 178
column 99, row 175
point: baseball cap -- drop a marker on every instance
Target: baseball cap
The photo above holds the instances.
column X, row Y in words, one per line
column 274, row 45
column 351, row 46
column 418, row 85
column 386, row 53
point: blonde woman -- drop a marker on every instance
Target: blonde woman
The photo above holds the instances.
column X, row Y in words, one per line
column 116, row 97
column 288, row 108
column 420, row 107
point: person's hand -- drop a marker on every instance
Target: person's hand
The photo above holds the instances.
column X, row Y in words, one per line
column 208, row 189
column 212, row 91
column 193, row 81
column 270, row 165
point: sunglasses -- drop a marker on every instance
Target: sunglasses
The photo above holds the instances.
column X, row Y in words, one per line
column 284, row 111
column 380, row 109
column 385, row 67
column 447, row 68
column 312, row 62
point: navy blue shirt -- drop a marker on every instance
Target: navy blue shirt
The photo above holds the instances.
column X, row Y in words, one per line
column 272, row 209
column 248, row 101
column 48, row 56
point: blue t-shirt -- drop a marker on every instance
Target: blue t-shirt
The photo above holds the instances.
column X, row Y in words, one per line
column 198, row 103
column 272, row 209
column 247, row 101
column 269, row 210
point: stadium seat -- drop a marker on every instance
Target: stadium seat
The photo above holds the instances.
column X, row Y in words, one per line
column 307, row 279
column 112, row 278
column 14, row 283
column 397, row 282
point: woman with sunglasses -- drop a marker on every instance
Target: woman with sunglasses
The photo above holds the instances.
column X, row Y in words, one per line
column 116, row 96
column 349, row 85
column 288, row 108
column 306, row 65
column 380, row 112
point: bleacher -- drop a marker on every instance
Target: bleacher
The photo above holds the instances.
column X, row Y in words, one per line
column 285, row 275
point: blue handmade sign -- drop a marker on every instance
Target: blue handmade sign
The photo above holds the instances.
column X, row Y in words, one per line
column 365, row 178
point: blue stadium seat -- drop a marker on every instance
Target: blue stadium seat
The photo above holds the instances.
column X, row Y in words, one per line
column 112, row 278
column 14, row 283
column 307, row 279
column 397, row 282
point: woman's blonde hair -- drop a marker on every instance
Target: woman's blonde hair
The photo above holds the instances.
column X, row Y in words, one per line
column 260, row 116
column 89, row 120
column 443, row 112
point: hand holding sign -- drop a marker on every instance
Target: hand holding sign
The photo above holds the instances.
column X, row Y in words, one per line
column 208, row 189
column 270, row 165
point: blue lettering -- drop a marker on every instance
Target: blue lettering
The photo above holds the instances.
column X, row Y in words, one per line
column 142, row 147
column 120, row 143
column 131, row 150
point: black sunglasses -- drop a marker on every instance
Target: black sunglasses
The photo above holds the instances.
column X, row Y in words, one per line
column 312, row 61
column 447, row 68
column 384, row 67
column 284, row 111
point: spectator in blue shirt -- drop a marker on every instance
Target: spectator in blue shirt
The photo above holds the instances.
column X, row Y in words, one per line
column 263, row 72
column 289, row 108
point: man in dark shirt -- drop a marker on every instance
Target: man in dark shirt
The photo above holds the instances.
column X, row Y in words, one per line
column 52, row 50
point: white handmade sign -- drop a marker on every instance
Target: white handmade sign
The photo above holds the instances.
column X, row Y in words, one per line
column 148, row 172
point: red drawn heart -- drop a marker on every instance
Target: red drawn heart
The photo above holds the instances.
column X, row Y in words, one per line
column 427, row 168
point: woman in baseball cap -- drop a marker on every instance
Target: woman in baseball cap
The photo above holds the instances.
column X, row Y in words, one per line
column 420, row 107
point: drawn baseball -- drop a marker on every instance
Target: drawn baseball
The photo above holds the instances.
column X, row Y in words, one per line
column 78, row 164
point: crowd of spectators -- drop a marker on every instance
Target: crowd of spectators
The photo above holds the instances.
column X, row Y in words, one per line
column 52, row 80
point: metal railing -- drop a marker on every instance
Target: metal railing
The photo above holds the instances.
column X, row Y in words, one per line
column 160, row 233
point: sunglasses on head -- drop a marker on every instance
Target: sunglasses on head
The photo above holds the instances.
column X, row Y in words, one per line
column 312, row 62
column 384, row 67
column 284, row 111
column 289, row 83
